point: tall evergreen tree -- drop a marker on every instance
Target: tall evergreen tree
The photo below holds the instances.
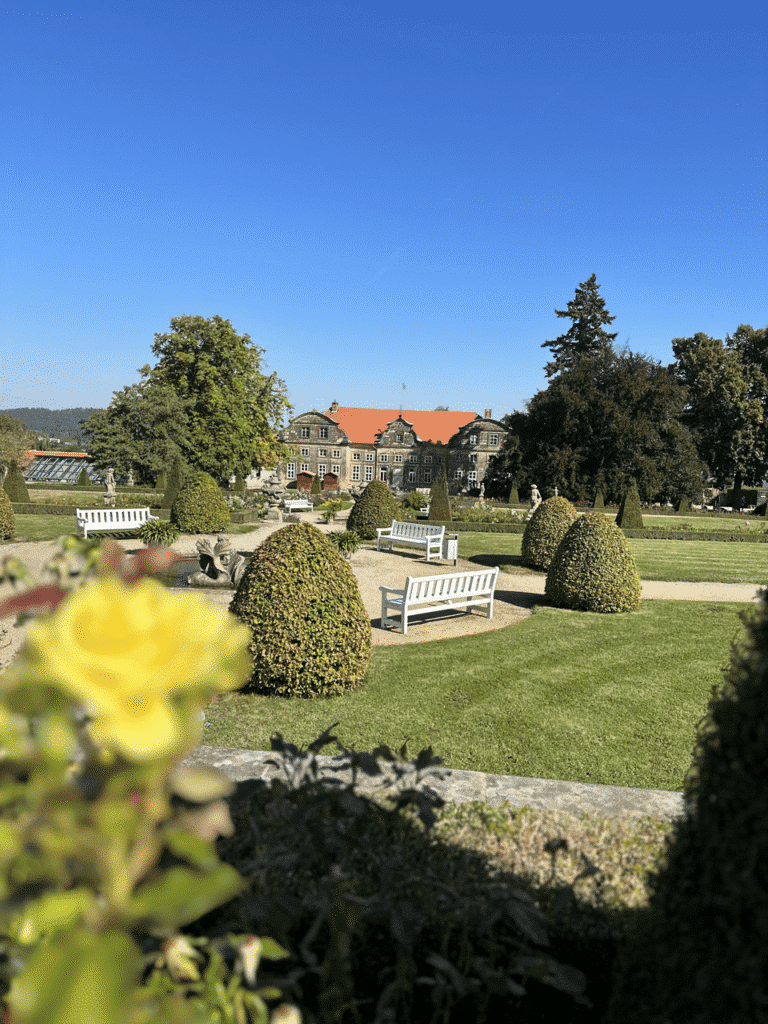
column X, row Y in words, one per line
column 586, row 336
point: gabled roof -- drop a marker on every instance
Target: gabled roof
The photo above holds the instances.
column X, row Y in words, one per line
column 362, row 426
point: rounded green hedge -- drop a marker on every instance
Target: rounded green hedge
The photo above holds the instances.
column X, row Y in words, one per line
column 593, row 569
column 311, row 635
column 200, row 506
column 374, row 509
column 544, row 531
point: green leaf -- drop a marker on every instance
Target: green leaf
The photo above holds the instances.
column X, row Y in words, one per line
column 183, row 895
column 54, row 912
column 77, row 977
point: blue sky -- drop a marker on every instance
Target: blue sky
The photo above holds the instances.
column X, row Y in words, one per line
column 380, row 194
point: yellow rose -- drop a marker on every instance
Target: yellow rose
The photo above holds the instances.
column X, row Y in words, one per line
column 122, row 652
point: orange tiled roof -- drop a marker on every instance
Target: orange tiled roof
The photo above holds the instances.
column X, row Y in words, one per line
column 66, row 455
column 362, row 426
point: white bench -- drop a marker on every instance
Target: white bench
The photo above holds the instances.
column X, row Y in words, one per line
column 420, row 535
column 298, row 505
column 438, row 593
column 111, row 519
column 424, row 510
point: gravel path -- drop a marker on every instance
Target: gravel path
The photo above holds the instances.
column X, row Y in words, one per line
column 516, row 593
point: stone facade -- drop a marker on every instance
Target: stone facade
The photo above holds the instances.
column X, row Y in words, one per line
column 396, row 454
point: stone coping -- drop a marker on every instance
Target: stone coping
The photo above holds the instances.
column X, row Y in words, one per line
column 463, row 786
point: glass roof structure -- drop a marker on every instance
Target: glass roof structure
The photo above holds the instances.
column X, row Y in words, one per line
column 60, row 467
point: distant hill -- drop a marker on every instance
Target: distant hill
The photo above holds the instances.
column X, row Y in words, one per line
column 61, row 423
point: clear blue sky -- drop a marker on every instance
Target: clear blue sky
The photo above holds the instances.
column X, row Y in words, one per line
column 380, row 193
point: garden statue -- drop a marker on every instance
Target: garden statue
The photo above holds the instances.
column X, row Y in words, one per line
column 129, row 481
column 482, row 490
column 555, row 491
column 109, row 487
column 535, row 499
column 220, row 566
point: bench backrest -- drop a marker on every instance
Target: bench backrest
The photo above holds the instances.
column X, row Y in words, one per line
column 453, row 584
column 99, row 516
column 415, row 530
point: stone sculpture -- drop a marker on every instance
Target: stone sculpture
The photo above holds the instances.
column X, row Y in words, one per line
column 220, row 566
column 535, row 499
column 109, row 487
column 129, row 481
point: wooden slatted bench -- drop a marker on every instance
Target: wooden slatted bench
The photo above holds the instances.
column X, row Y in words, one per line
column 298, row 505
column 420, row 535
column 111, row 519
column 438, row 593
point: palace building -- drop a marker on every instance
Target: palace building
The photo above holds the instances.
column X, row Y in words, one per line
column 347, row 446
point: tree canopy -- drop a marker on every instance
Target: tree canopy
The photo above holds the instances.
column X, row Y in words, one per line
column 15, row 440
column 206, row 399
column 585, row 336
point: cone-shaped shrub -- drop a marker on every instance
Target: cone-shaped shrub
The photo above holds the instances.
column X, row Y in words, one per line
column 593, row 569
column 162, row 481
column 15, row 485
column 316, row 487
column 439, row 502
column 683, row 504
column 514, row 497
column 300, row 599
column 700, row 953
column 239, row 486
column 374, row 509
column 630, row 515
column 200, row 506
column 83, row 480
column 599, row 501
column 544, row 531
column 174, row 483
column 7, row 518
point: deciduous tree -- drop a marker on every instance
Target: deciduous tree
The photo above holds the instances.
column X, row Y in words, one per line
column 15, row 441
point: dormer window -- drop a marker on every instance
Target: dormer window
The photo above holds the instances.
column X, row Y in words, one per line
column 399, row 438
column 493, row 439
column 305, row 431
column 323, row 433
column 473, row 438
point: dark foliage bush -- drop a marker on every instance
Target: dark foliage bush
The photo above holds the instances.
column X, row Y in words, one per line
column 316, row 487
column 599, row 501
column 514, row 497
column 374, row 509
column 630, row 515
column 15, row 485
column 200, row 506
column 701, row 952
column 593, row 569
column 544, row 531
column 239, row 485
column 381, row 915
column 162, row 481
column 683, row 505
column 439, row 502
column 311, row 635
column 7, row 518
column 175, row 480
column 83, row 480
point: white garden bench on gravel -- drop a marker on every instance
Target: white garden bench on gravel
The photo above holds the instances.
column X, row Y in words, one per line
column 298, row 505
column 111, row 519
column 420, row 535
column 424, row 594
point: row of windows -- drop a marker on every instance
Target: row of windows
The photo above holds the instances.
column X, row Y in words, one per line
column 426, row 475
column 493, row 439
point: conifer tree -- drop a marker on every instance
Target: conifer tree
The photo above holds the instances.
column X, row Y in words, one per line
column 15, row 485
column 439, row 502
column 630, row 515
column 586, row 336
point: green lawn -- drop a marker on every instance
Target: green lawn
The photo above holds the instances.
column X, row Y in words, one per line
column 609, row 699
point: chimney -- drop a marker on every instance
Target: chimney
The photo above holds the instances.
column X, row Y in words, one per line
column 334, row 405
column 488, row 414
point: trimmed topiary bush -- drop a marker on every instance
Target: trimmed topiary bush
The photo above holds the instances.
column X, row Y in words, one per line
column 174, row 484
column 374, row 509
column 439, row 502
column 683, row 505
column 15, row 485
column 200, row 506
column 514, row 497
column 162, row 481
column 83, row 480
column 239, row 485
column 7, row 518
column 544, row 531
column 300, row 599
column 599, row 501
column 316, row 487
column 700, row 953
column 630, row 515
column 593, row 569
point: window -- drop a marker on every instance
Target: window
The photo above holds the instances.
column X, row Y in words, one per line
column 323, row 433
column 413, row 458
column 368, row 473
column 336, row 453
column 398, row 458
column 355, row 472
column 473, row 438
column 305, row 431
column 321, row 469
column 323, row 452
column 493, row 439
column 411, row 476
column 458, row 474
column 305, row 453
column 473, row 457
column 290, row 470
column 399, row 438
column 427, row 476
column 383, row 475
column 369, row 456
column 383, row 458
column 355, row 456
column 427, row 460
column 336, row 470
column 472, row 476
column 305, row 467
